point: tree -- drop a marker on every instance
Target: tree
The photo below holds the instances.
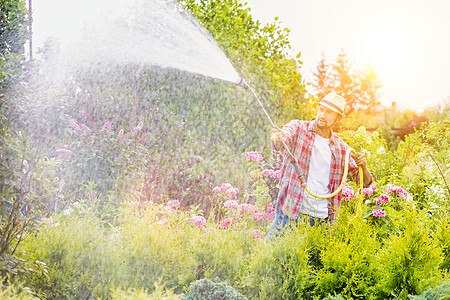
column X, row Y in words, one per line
column 359, row 88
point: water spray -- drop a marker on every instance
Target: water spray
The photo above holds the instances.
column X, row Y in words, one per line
column 242, row 83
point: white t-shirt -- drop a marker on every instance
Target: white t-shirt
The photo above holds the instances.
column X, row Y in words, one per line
column 318, row 179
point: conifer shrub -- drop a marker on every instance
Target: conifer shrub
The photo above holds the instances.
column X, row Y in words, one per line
column 409, row 262
column 441, row 292
column 279, row 269
column 348, row 259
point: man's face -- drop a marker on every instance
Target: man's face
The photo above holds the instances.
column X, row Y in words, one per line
column 326, row 118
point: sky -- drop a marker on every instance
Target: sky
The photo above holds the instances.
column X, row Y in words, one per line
column 406, row 41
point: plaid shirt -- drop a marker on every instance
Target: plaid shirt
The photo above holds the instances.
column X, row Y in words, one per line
column 300, row 140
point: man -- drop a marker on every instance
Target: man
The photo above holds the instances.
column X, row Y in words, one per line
column 321, row 157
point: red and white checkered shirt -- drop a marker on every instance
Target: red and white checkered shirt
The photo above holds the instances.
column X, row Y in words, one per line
column 300, row 140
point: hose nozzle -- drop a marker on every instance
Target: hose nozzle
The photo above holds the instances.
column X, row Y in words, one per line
column 241, row 82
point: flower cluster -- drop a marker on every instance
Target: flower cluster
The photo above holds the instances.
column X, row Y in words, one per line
column 231, row 204
column 267, row 173
column 66, row 152
column 348, row 192
column 238, row 211
column 228, row 189
column 369, row 191
column 198, row 221
column 254, row 156
column 378, row 213
column 175, row 204
column 383, row 199
column 393, row 189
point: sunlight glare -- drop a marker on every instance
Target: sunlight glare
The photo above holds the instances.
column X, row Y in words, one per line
column 389, row 49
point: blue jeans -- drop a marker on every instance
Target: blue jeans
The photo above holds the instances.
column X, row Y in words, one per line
column 281, row 222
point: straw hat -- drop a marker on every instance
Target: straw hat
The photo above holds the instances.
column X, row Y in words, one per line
column 334, row 102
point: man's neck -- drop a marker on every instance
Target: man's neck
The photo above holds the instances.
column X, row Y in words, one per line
column 324, row 132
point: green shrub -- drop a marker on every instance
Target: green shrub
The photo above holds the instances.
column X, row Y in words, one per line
column 205, row 289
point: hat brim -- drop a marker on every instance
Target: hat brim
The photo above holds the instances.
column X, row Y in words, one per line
column 331, row 108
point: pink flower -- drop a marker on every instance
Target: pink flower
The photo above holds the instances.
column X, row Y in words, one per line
column 169, row 209
column 230, row 204
column 83, row 127
column 255, row 233
column 401, row 192
column 47, row 221
column 120, row 133
column 148, row 203
column 368, row 191
column 198, row 221
column 247, row 208
column 277, row 174
column 379, row 202
column 226, row 186
column 259, row 217
column 139, row 127
column 270, row 208
column 391, row 189
column 378, row 213
column 348, row 192
column 268, row 172
column 217, row 190
column 107, row 125
column 225, row 223
column 175, row 204
column 75, row 126
column 270, row 216
column 232, row 192
column 384, row 197
column 254, row 156
column 65, row 152
column 134, row 204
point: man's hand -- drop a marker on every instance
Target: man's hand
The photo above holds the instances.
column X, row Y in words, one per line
column 278, row 136
column 360, row 160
